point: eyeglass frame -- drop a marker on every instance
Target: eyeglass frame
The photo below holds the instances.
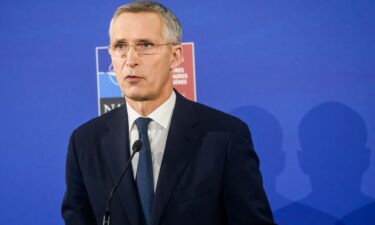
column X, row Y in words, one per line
column 136, row 48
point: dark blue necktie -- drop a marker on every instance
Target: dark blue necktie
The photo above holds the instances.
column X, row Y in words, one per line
column 145, row 181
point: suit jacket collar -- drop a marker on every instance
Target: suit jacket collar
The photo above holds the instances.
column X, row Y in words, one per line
column 116, row 150
column 181, row 141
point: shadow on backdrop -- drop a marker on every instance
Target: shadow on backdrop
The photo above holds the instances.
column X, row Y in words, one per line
column 358, row 217
column 268, row 139
column 334, row 156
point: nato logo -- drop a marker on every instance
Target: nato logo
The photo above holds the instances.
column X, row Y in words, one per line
column 109, row 93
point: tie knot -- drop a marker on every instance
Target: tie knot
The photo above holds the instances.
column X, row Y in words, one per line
column 142, row 124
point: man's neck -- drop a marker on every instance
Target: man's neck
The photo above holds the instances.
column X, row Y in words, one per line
column 146, row 107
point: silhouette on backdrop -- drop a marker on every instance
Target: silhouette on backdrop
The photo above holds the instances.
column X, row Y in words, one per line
column 363, row 215
column 268, row 139
column 334, row 156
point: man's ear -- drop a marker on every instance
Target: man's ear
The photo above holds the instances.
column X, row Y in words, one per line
column 176, row 57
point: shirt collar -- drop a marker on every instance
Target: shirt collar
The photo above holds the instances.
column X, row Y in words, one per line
column 161, row 115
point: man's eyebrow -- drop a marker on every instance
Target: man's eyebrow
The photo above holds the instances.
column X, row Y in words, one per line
column 120, row 41
column 143, row 40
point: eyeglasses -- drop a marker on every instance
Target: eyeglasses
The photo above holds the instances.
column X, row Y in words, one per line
column 120, row 49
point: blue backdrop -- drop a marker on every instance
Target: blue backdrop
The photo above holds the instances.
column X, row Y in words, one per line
column 299, row 72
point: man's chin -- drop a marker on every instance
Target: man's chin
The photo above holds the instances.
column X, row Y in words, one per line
column 137, row 97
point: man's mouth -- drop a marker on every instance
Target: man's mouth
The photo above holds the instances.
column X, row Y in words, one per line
column 133, row 78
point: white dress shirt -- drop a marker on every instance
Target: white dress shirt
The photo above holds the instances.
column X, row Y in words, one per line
column 157, row 133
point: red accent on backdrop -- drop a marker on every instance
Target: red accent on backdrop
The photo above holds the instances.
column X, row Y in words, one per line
column 184, row 75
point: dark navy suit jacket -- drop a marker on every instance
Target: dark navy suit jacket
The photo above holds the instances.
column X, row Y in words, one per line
column 209, row 173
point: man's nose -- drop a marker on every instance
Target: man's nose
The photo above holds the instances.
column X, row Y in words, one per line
column 132, row 58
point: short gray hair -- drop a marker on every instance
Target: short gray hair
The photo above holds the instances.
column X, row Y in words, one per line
column 171, row 26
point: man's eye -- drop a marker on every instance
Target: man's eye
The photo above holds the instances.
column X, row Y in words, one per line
column 146, row 45
column 121, row 46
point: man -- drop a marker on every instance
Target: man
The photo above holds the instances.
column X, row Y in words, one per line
column 196, row 165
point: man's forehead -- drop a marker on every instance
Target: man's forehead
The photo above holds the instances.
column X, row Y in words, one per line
column 140, row 25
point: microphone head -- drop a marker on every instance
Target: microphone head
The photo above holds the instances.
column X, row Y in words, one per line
column 137, row 146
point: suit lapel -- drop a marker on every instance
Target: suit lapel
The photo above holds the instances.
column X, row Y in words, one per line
column 116, row 150
column 181, row 142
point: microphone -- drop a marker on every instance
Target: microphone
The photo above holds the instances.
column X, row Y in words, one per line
column 137, row 145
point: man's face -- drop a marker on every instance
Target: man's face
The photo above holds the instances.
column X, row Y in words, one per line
column 143, row 77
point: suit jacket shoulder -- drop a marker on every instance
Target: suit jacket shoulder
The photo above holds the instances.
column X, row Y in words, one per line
column 213, row 120
column 98, row 126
